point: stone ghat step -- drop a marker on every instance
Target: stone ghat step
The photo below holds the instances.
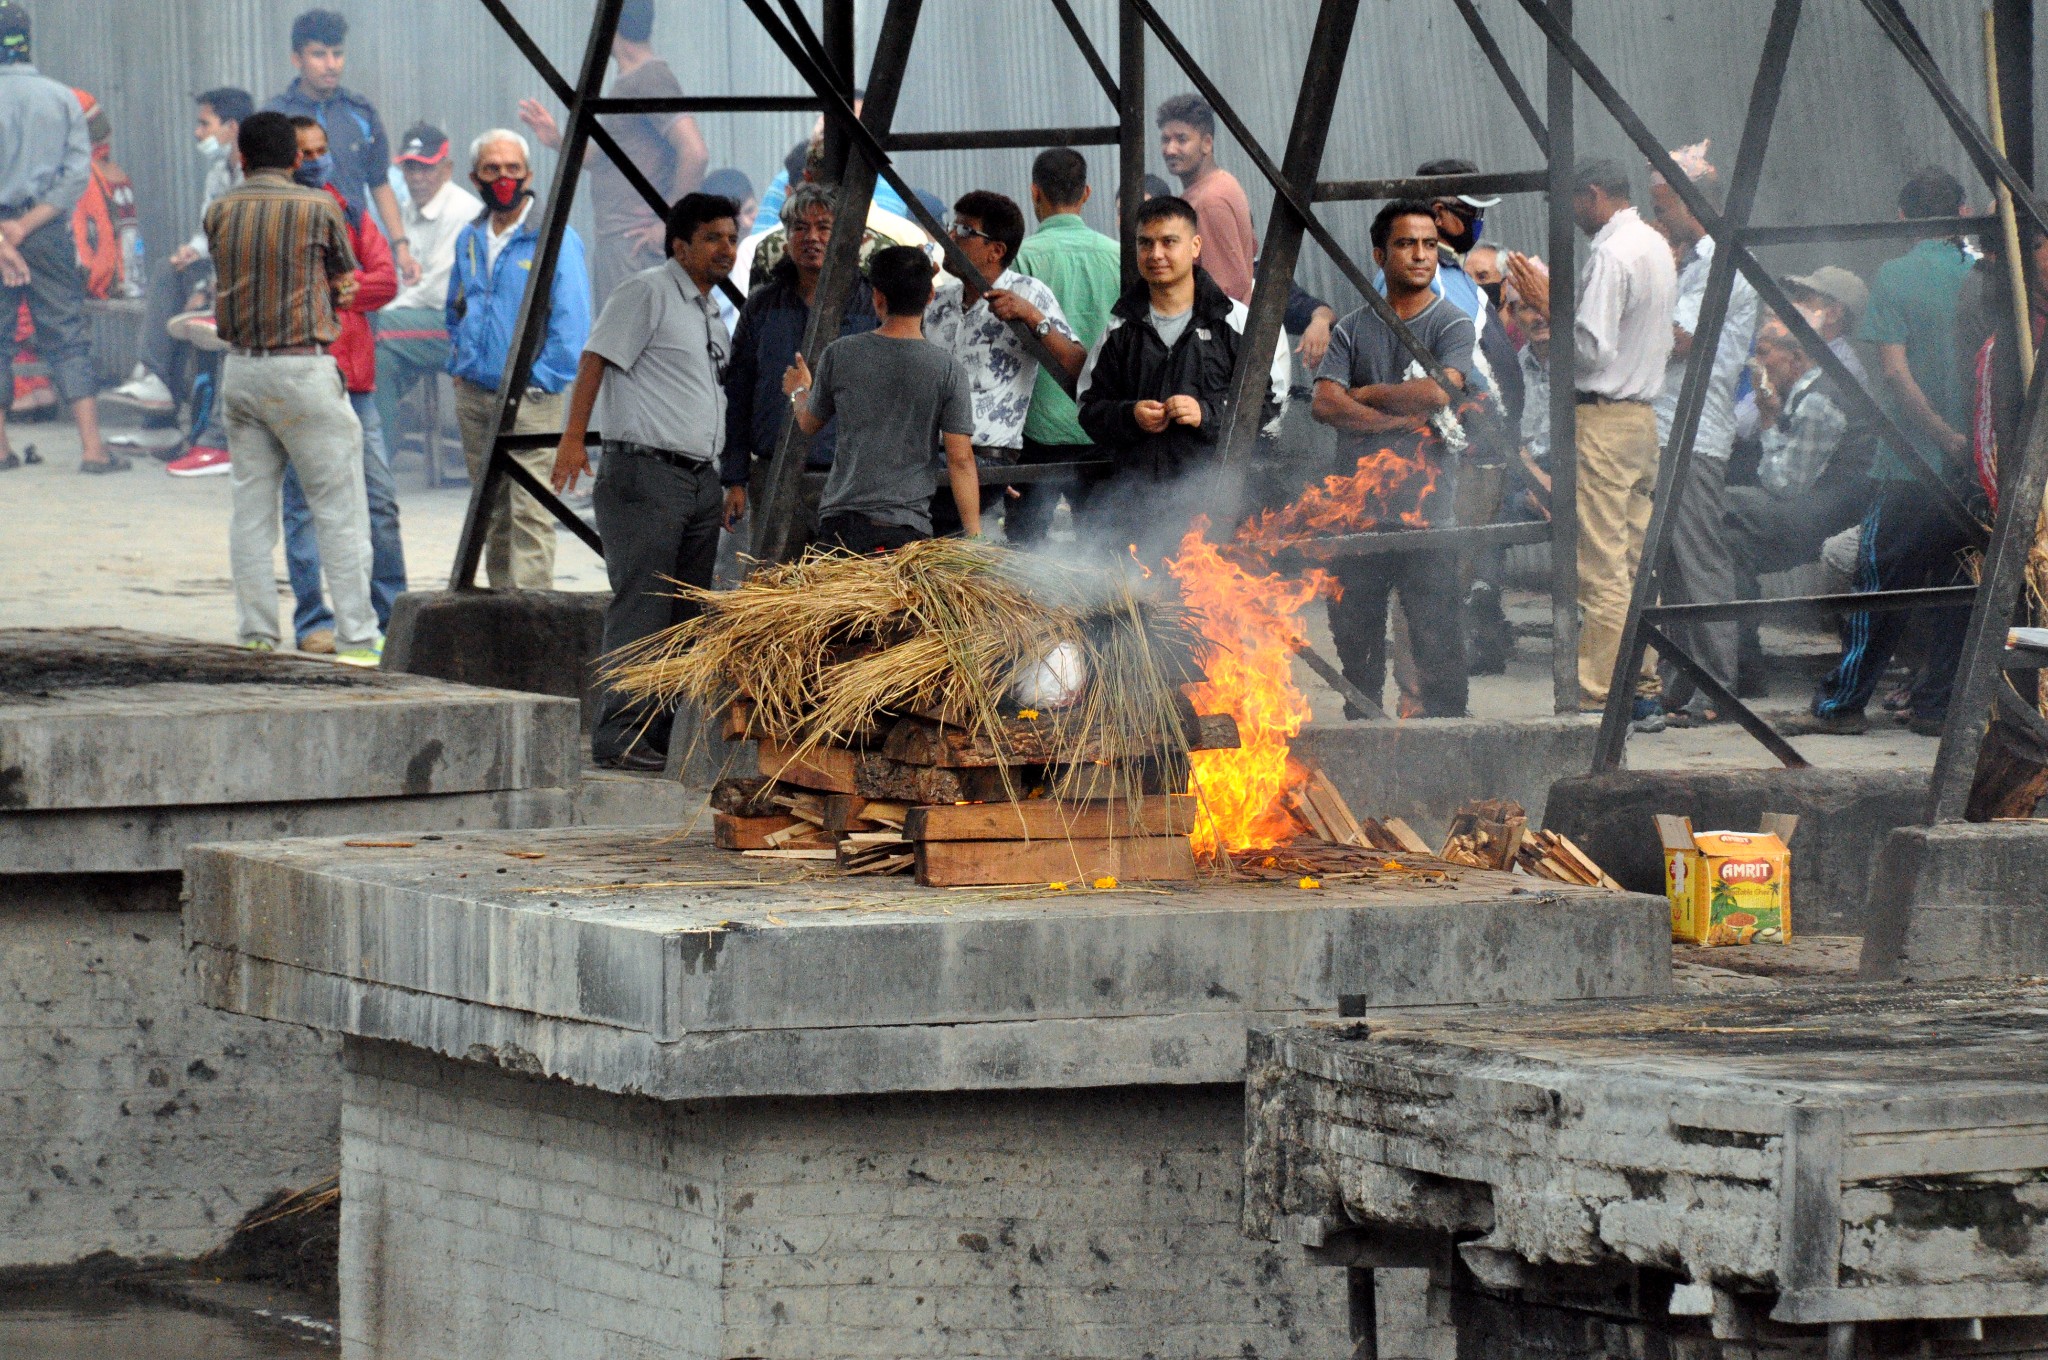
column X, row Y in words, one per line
column 1861, row 1152
column 105, row 718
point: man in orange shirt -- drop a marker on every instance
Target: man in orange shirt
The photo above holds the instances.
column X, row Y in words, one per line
column 1223, row 215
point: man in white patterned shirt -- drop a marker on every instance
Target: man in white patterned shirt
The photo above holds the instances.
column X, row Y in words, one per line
column 974, row 328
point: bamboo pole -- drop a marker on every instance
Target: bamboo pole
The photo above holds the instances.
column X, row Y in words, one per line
column 2008, row 222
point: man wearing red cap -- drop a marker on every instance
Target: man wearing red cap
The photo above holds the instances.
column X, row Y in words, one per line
column 412, row 333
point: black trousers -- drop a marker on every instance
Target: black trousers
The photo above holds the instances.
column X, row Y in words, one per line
column 1428, row 582
column 659, row 523
column 55, row 293
column 1907, row 542
column 859, row 535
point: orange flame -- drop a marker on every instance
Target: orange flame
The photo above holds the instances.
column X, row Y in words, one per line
column 1252, row 622
column 1358, row 504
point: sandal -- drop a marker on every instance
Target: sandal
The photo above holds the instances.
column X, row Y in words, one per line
column 113, row 462
column 10, row 462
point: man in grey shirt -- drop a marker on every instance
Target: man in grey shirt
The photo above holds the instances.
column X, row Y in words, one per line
column 1395, row 431
column 896, row 398
column 654, row 370
column 45, row 165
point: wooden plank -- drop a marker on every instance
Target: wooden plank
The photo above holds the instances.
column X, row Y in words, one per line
column 1048, row 818
column 730, row 831
column 885, row 813
column 1334, row 809
column 827, row 769
column 1139, row 859
column 733, row 727
column 889, row 864
column 1407, row 837
column 842, row 813
column 919, row 741
column 821, row 853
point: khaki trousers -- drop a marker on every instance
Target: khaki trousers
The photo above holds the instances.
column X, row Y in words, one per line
column 519, row 544
column 1617, row 473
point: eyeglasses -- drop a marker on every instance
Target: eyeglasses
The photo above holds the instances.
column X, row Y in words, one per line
column 960, row 233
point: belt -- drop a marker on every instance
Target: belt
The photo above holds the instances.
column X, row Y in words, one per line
column 688, row 461
column 277, row 352
column 1599, row 399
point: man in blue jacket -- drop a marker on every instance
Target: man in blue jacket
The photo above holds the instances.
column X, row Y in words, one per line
column 771, row 331
column 493, row 258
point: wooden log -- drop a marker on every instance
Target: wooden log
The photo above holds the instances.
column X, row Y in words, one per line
column 731, row 831
column 843, row 813
column 827, row 769
column 745, row 796
column 876, row 777
column 2011, row 777
column 1048, row 818
column 733, row 727
column 1137, row 859
column 1027, row 741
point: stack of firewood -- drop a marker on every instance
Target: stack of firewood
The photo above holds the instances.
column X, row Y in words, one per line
column 1493, row 833
column 961, row 806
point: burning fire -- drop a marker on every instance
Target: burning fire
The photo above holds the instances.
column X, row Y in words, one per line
column 1253, row 622
column 1252, row 619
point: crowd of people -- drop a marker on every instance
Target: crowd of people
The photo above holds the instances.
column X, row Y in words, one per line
column 285, row 335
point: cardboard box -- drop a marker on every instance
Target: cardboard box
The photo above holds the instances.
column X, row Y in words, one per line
column 1729, row 887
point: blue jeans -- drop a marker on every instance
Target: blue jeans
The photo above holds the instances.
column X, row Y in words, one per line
column 387, row 552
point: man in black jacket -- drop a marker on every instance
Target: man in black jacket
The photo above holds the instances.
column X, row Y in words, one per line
column 1156, row 390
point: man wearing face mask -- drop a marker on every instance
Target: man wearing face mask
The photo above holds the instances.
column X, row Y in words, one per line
column 493, row 258
column 171, row 372
column 355, row 352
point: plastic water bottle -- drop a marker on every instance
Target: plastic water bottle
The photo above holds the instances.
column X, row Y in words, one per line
column 134, row 260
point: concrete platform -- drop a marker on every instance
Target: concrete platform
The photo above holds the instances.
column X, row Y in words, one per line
column 1759, row 1168
column 615, row 1092
column 1961, row 900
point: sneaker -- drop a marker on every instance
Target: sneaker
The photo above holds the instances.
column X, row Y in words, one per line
column 319, row 642
column 368, row 657
column 202, row 461
column 1841, row 724
column 198, row 330
column 145, row 393
column 1647, row 716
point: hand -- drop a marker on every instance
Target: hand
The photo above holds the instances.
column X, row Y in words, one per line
column 345, row 289
column 1768, row 407
column 1315, row 339
column 14, row 271
column 1150, row 415
column 795, row 376
column 572, row 460
column 535, row 115
column 1009, row 307
column 1184, row 411
column 11, row 232
column 1533, row 288
column 735, row 506
column 183, row 257
column 1956, row 446
column 653, row 236
column 408, row 267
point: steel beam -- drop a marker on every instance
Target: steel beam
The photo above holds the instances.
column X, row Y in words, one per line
column 1024, row 474
column 1674, row 468
column 1131, row 116
column 1510, row 84
column 1001, row 139
column 775, row 517
column 1912, row 229
column 534, row 305
column 1096, row 65
column 1245, row 413
column 1343, row 546
column 717, row 103
column 1433, row 186
column 1792, row 606
column 837, row 38
column 1564, row 411
column 1744, row 716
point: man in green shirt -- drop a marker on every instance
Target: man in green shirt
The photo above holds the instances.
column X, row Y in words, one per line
column 1084, row 270
column 1907, row 540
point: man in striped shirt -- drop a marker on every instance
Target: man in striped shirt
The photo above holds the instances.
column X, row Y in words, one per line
column 283, row 264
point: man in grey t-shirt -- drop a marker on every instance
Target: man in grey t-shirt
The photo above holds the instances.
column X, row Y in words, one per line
column 1395, row 422
column 896, row 398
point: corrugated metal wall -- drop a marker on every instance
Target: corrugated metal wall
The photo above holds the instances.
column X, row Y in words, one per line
column 1853, row 120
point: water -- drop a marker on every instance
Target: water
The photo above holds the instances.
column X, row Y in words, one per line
column 86, row 1324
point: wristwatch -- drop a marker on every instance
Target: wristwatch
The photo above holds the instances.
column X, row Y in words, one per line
column 797, row 393
column 1043, row 328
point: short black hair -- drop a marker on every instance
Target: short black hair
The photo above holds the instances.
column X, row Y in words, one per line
column 1164, row 206
column 730, row 183
column 1383, row 222
column 636, row 20
column 1061, row 174
column 999, row 216
column 1931, row 192
column 229, row 104
column 300, row 122
column 1608, row 176
column 903, row 276
column 1191, row 109
column 1448, row 165
column 268, row 141
column 321, row 26
column 1156, row 187
column 692, row 211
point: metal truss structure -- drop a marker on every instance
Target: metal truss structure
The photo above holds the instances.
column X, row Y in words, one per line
column 859, row 150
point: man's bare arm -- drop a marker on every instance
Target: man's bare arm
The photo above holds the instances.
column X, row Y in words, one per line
column 966, row 480
column 1341, row 410
column 1919, row 412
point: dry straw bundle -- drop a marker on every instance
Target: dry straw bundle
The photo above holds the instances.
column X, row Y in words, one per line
column 827, row 646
